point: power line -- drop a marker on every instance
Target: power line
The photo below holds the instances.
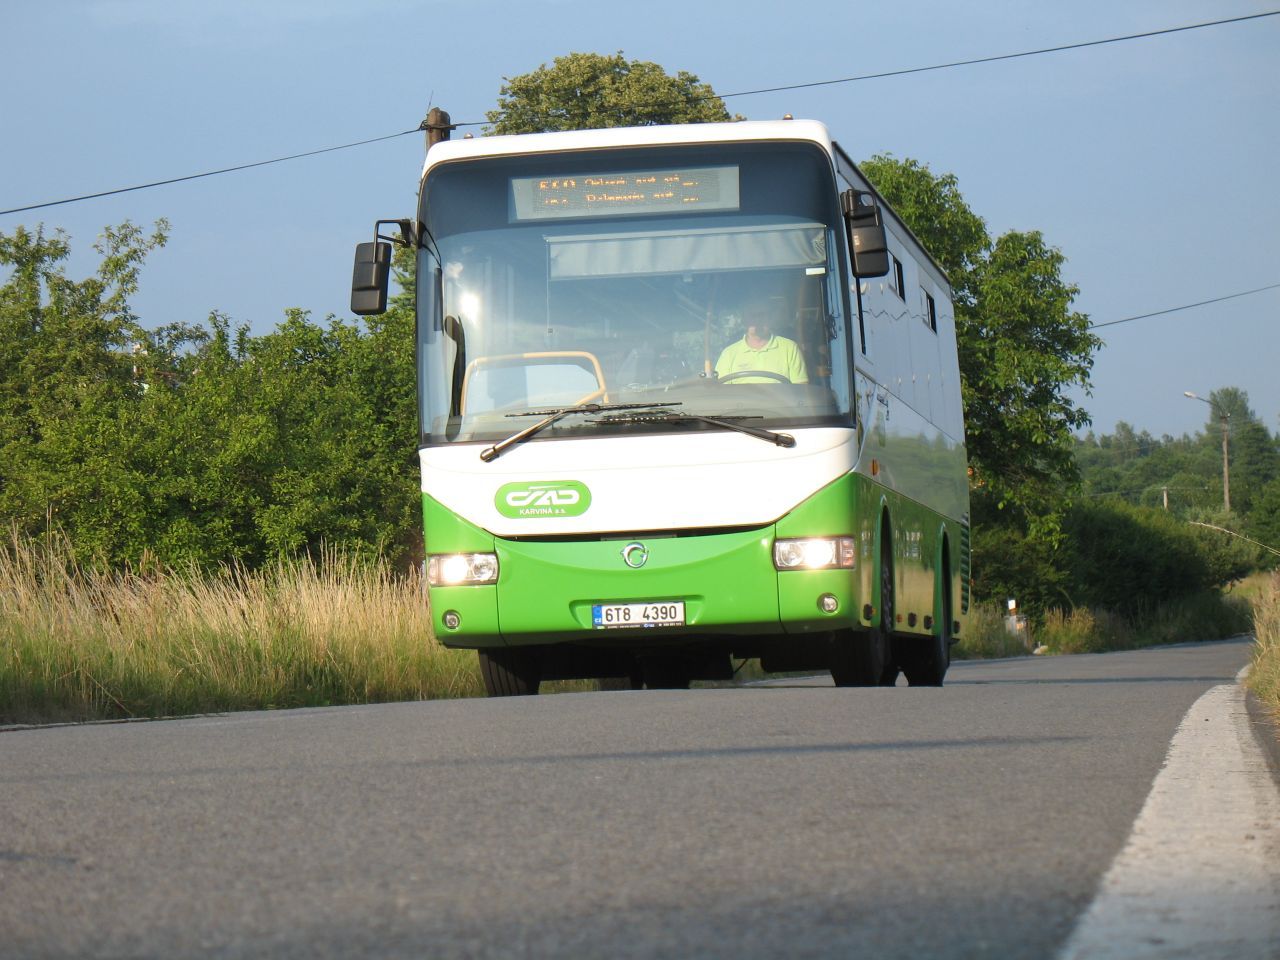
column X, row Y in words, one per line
column 963, row 63
column 1185, row 306
column 741, row 93
column 208, row 173
column 1258, row 543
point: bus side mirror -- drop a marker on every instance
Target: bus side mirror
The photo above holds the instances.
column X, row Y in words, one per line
column 867, row 243
column 371, row 278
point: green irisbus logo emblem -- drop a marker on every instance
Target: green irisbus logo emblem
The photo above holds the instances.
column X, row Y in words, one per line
column 542, row 498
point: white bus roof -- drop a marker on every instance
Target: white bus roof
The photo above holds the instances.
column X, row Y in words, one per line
column 810, row 130
column 813, row 131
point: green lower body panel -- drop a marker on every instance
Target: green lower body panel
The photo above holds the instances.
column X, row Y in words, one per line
column 548, row 590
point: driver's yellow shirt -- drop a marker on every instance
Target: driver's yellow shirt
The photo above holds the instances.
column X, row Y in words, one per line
column 779, row 355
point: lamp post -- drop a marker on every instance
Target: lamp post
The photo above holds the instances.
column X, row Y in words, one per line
column 1225, row 418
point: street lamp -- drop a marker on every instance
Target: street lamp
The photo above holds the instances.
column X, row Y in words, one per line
column 1225, row 418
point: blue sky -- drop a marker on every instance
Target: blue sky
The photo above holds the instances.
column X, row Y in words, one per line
column 1150, row 164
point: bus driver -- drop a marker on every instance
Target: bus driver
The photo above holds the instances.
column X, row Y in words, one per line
column 763, row 350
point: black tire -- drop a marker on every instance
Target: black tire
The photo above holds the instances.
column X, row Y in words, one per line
column 865, row 658
column 510, row 672
column 925, row 659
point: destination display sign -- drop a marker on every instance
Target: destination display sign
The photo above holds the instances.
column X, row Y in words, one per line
column 626, row 192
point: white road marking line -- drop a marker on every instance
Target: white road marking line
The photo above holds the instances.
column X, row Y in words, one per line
column 1200, row 874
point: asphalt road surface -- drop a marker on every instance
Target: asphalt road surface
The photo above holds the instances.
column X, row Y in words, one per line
column 784, row 820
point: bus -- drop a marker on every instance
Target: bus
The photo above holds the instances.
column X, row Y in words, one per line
column 688, row 395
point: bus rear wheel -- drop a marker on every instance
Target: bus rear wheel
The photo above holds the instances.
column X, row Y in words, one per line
column 510, row 672
column 925, row 659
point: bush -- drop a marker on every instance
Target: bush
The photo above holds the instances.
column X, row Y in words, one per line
column 1006, row 563
column 1129, row 559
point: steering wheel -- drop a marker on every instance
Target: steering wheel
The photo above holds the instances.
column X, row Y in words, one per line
column 737, row 374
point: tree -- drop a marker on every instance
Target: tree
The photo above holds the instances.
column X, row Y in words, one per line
column 66, row 369
column 582, row 91
column 1253, row 459
column 194, row 443
column 1022, row 347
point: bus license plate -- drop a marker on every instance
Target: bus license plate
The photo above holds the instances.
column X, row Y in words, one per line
column 609, row 616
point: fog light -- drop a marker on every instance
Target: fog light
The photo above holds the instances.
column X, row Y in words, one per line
column 451, row 619
column 828, row 604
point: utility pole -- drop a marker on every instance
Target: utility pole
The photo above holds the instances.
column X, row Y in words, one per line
column 438, row 126
column 1225, row 418
column 1226, row 475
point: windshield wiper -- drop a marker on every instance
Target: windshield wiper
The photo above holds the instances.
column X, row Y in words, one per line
column 551, row 415
column 727, row 422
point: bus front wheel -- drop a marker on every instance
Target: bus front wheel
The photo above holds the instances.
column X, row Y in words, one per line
column 865, row 658
column 858, row 658
column 510, row 671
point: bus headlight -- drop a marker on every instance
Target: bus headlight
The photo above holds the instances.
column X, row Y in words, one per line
column 822, row 553
column 453, row 569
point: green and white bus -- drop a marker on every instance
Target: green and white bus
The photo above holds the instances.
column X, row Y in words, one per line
column 687, row 394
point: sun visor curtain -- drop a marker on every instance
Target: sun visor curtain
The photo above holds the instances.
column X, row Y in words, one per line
column 635, row 254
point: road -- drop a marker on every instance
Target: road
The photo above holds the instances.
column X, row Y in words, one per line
column 789, row 819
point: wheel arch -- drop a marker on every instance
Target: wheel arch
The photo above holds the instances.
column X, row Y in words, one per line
column 884, row 529
column 943, row 585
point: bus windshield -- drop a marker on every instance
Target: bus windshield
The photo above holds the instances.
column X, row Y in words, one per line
column 706, row 277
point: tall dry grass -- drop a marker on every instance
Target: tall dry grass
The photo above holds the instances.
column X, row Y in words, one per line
column 986, row 637
column 1083, row 630
column 1209, row 616
column 1264, row 675
column 80, row 643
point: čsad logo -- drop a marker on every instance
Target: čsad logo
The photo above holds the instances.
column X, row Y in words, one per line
column 542, row 498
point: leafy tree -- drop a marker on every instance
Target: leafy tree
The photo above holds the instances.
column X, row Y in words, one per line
column 279, row 444
column 196, row 443
column 582, row 91
column 1022, row 348
column 65, row 368
column 1007, row 563
column 1253, row 459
